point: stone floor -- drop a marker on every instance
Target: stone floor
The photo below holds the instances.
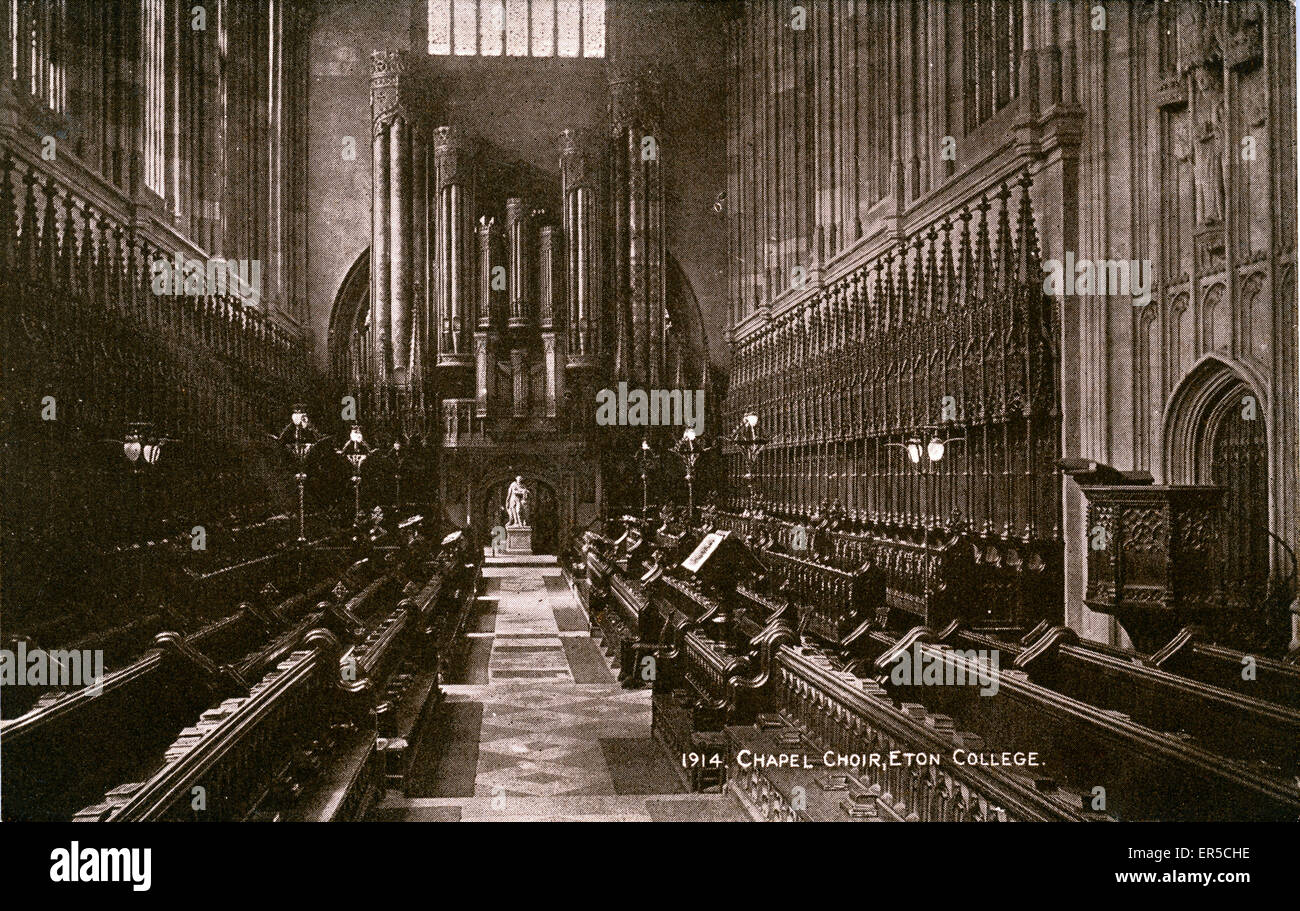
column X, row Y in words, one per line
column 555, row 736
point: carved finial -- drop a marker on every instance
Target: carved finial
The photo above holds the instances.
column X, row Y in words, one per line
column 983, row 256
column 1006, row 255
column 945, row 294
column 1027, row 234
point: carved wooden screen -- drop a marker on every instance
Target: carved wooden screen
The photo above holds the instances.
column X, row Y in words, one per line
column 949, row 335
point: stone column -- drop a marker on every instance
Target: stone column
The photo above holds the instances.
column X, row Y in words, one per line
column 491, row 265
column 455, row 247
column 384, row 78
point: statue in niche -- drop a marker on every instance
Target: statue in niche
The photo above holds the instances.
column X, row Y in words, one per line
column 1208, row 163
column 517, row 508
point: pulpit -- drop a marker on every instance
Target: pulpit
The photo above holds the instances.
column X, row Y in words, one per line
column 1155, row 558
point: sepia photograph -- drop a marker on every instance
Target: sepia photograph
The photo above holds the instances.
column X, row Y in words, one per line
column 657, row 411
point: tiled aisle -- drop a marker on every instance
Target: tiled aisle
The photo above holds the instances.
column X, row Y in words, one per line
column 557, row 737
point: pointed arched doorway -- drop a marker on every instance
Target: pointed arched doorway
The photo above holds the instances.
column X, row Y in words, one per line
column 1217, row 433
column 544, row 505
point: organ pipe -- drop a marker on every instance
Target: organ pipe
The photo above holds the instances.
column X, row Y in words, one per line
column 635, row 147
column 582, row 245
column 519, row 251
column 456, row 246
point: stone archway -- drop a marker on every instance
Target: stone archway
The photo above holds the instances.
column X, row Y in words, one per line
column 1216, row 432
column 545, row 520
column 550, row 519
column 1209, row 390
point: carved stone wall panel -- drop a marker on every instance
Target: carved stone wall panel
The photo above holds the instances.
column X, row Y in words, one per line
column 1216, row 322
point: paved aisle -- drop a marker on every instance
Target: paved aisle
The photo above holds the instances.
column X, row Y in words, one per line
column 555, row 736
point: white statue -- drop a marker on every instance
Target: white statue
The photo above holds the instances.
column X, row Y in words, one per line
column 517, row 503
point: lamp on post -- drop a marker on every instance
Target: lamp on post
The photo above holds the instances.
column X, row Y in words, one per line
column 933, row 451
column 646, row 461
column 356, row 452
column 689, row 450
column 399, row 451
column 142, row 449
column 751, row 443
column 299, row 438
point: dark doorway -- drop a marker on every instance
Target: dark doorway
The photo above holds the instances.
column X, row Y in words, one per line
column 1238, row 462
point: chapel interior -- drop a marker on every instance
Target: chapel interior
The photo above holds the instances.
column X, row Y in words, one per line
column 441, row 410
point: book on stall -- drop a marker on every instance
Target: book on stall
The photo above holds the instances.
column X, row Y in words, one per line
column 833, row 781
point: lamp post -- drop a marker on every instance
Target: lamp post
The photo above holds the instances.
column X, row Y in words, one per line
column 933, row 450
column 751, row 443
column 645, row 460
column 399, row 451
column 299, row 438
column 142, row 449
column 689, row 450
column 356, row 452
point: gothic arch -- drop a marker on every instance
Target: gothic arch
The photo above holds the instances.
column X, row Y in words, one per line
column 1217, row 433
column 1181, row 344
column 1195, row 408
column 1216, row 320
column 349, row 312
column 550, row 519
column 688, row 323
